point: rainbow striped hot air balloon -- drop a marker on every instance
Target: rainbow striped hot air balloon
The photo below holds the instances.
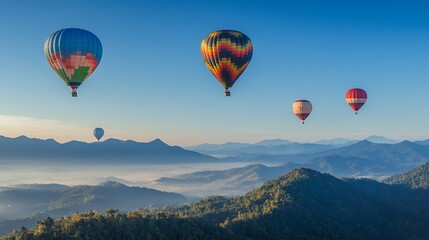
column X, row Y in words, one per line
column 226, row 54
column 302, row 108
column 356, row 98
column 73, row 54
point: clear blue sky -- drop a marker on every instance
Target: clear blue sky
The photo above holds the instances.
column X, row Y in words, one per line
column 152, row 83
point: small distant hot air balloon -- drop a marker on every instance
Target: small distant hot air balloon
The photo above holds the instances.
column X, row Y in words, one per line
column 356, row 98
column 73, row 54
column 98, row 133
column 226, row 54
column 302, row 108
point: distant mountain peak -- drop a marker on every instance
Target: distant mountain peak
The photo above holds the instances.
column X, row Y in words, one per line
column 113, row 140
column 22, row 137
column 158, row 141
column 407, row 142
column 363, row 142
column 381, row 139
column 112, row 184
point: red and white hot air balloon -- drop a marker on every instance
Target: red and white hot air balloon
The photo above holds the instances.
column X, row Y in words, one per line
column 356, row 98
column 302, row 108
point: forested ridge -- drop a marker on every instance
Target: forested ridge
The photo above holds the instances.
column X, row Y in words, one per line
column 303, row 204
column 416, row 178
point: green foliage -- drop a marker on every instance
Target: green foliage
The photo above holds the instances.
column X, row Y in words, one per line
column 416, row 178
column 303, row 204
column 115, row 225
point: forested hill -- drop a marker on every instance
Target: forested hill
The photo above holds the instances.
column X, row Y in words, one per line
column 304, row 204
column 416, row 178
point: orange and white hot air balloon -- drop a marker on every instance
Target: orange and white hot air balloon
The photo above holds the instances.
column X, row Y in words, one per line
column 302, row 108
column 356, row 98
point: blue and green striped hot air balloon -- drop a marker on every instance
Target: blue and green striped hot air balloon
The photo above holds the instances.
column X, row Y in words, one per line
column 74, row 54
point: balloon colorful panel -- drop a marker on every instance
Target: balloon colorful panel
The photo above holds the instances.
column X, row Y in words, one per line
column 73, row 54
column 302, row 108
column 356, row 98
column 226, row 54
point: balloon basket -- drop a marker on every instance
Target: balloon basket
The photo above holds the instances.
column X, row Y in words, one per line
column 227, row 93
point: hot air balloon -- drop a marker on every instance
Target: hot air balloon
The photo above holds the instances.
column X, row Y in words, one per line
column 302, row 108
column 98, row 133
column 226, row 54
column 73, row 54
column 356, row 98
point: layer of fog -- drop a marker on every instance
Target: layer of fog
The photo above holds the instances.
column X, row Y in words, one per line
column 132, row 175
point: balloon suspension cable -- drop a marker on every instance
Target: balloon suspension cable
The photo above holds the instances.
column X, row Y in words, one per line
column 227, row 93
column 74, row 92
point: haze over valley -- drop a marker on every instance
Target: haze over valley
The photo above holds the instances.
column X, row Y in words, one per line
column 43, row 178
column 225, row 120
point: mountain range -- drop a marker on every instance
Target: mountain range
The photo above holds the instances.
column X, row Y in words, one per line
column 367, row 158
column 361, row 159
column 34, row 201
column 303, row 204
column 111, row 151
column 231, row 182
column 279, row 147
column 273, row 146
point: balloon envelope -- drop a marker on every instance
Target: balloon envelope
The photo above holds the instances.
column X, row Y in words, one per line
column 356, row 98
column 226, row 53
column 73, row 54
column 302, row 109
column 98, row 133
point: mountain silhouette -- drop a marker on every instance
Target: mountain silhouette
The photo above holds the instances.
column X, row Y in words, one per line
column 112, row 150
